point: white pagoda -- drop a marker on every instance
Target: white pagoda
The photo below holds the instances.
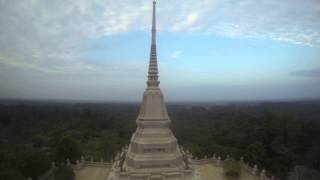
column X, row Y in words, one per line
column 153, row 153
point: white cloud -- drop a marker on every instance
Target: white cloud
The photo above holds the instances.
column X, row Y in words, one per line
column 37, row 31
column 293, row 21
column 192, row 18
column 188, row 23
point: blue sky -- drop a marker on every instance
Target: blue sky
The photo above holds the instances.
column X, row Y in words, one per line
column 207, row 50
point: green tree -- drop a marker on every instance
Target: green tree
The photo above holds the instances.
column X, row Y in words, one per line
column 64, row 173
column 67, row 148
column 255, row 152
column 312, row 156
column 35, row 164
column 111, row 145
column 282, row 160
column 10, row 174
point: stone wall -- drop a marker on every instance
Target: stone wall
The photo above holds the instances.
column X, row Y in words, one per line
column 216, row 160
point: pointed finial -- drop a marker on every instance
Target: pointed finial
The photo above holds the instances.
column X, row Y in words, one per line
column 153, row 64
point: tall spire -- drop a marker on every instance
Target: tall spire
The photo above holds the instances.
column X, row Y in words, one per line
column 153, row 65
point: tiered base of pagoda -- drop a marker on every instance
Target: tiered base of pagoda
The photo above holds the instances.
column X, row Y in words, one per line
column 154, row 174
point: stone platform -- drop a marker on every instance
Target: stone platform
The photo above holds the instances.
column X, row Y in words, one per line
column 207, row 170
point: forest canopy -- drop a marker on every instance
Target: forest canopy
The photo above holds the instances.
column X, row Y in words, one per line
column 276, row 136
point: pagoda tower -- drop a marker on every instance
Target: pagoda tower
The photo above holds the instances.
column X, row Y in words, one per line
column 153, row 153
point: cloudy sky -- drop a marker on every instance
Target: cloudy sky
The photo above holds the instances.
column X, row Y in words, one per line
column 207, row 49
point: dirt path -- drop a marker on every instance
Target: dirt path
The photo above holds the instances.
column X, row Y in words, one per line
column 92, row 173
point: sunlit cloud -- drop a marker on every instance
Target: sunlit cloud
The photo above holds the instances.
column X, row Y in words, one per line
column 42, row 28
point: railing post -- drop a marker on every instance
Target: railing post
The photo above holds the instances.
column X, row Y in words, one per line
column 263, row 174
column 214, row 157
column 53, row 165
column 228, row 158
column 255, row 169
column 218, row 162
column 68, row 162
